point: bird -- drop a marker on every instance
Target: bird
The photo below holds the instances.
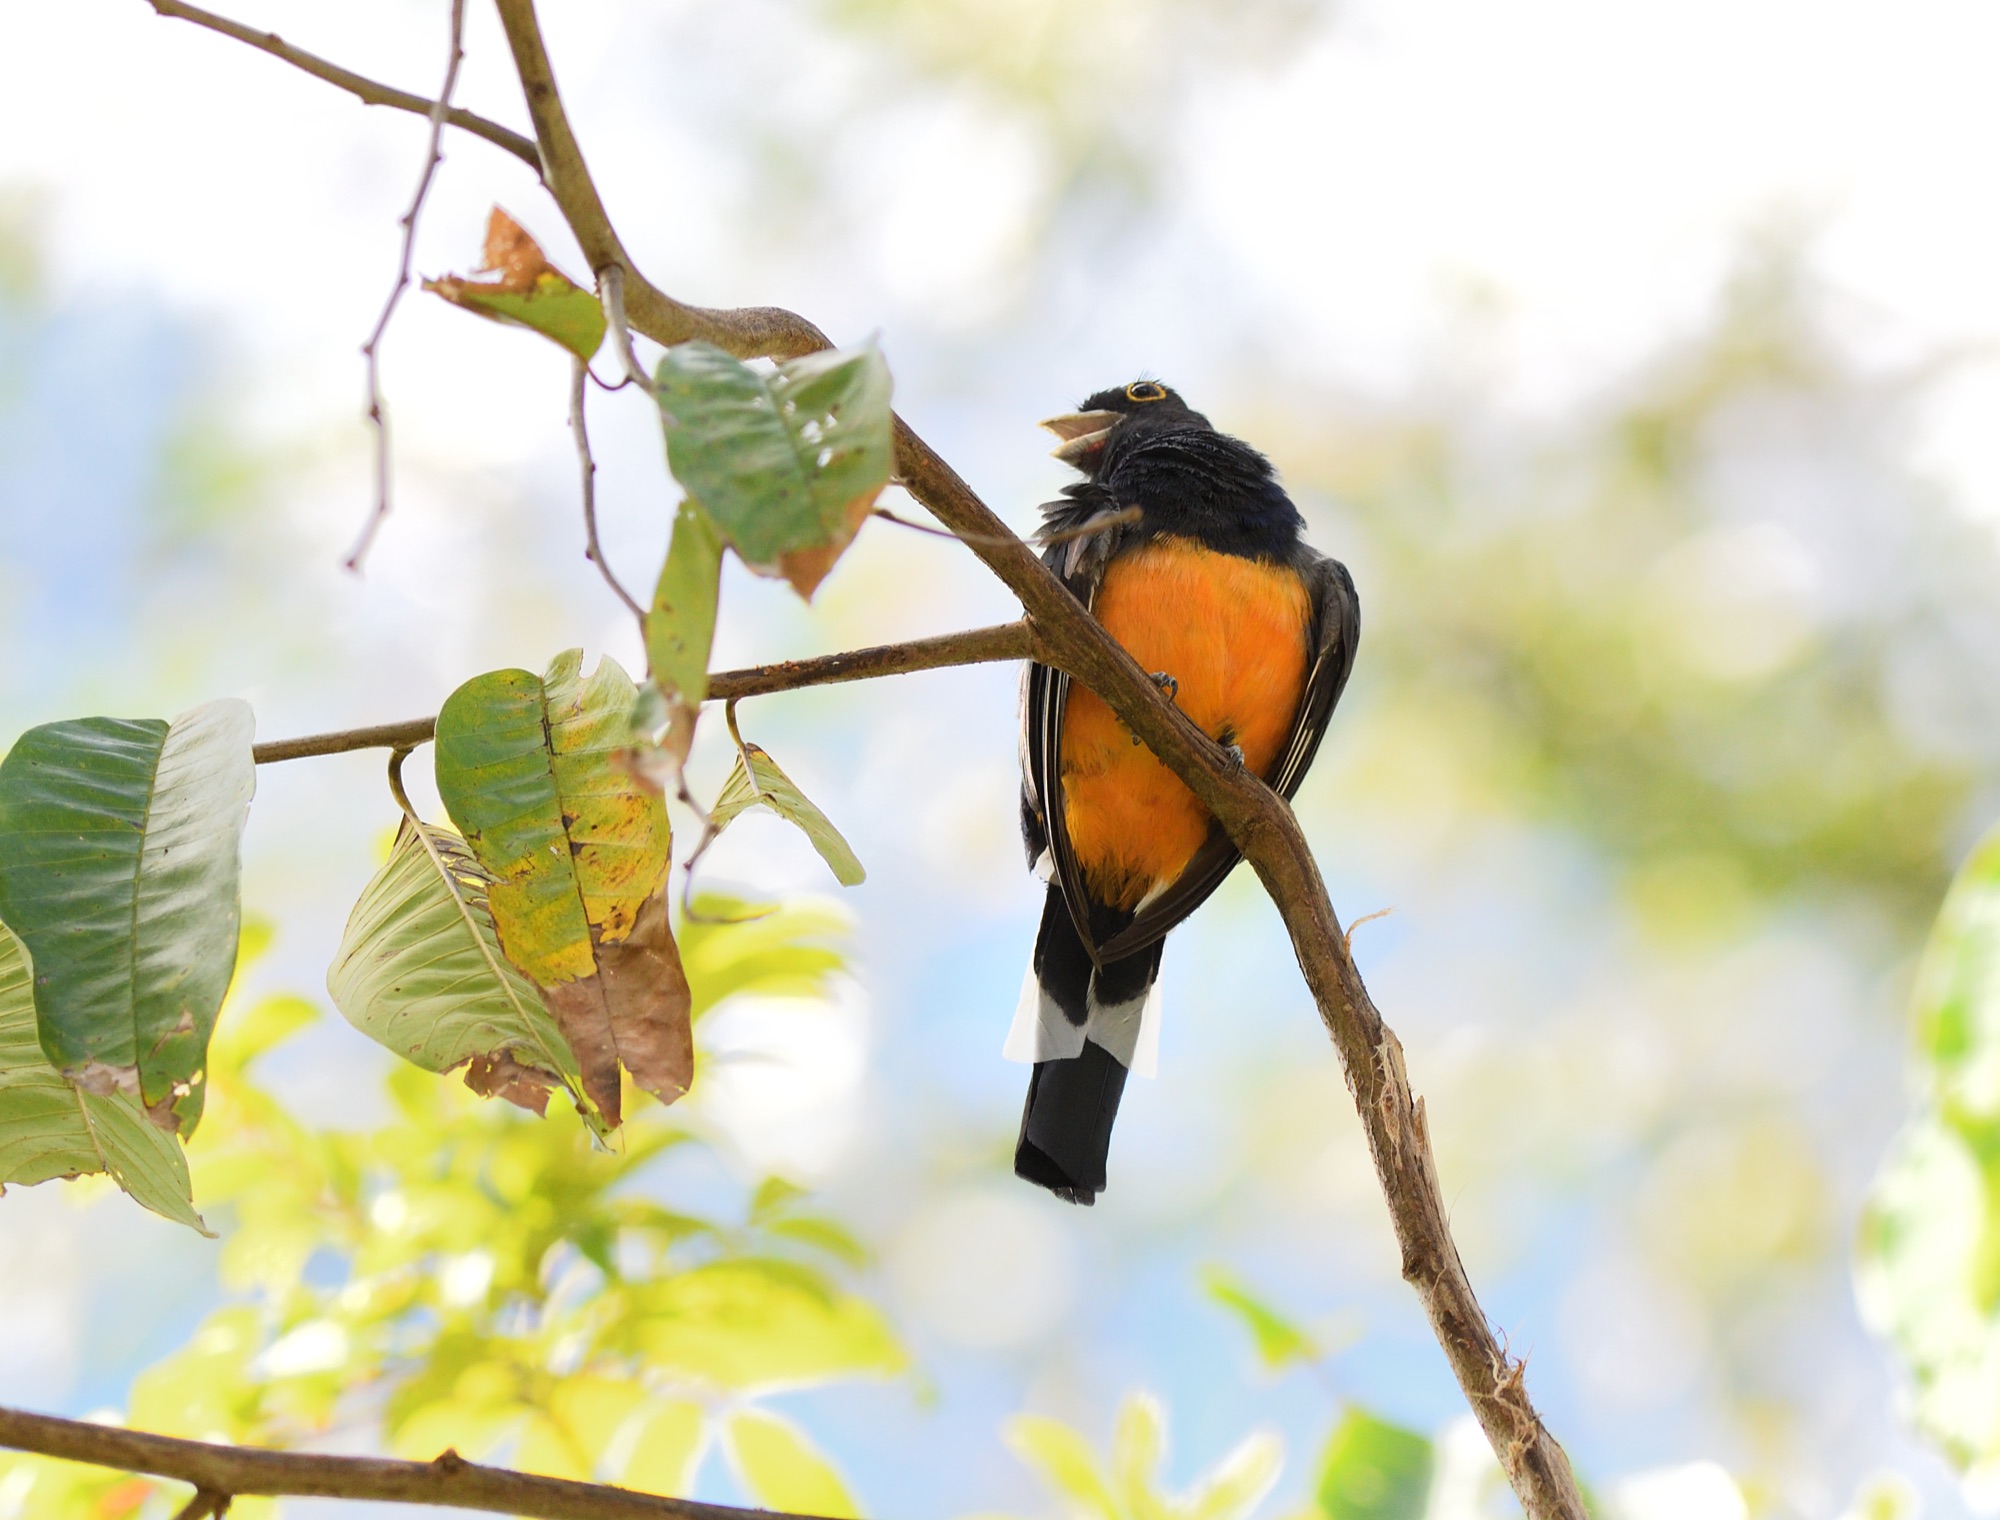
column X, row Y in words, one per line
column 1183, row 544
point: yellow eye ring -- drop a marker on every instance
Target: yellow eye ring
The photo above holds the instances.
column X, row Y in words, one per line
column 1145, row 390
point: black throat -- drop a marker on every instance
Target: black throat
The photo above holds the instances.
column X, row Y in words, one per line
column 1193, row 482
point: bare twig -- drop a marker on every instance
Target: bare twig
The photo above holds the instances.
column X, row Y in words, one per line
column 976, row 646
column 710, row 830
column 1089, row 529
column 206, row 1505
column 611, row 291
column 592, row 550
column 449, row 1481
column 1256, row 819
column 440, row 110
column 367, row 91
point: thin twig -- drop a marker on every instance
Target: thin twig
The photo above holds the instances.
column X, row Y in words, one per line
column 448, row 1481
column 611, row 291
column 975, row 646
column 1090, row 529
column 440, row 110
column 592, row 550
column 206, row 1505
column 711, row 830
column 367, row 91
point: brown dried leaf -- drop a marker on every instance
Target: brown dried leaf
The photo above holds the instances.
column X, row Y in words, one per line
column 806, row 568
column 646, row 994
column 580, row 1013
column 501, row 1076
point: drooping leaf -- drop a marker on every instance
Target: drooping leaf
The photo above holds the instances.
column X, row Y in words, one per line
column 119, row 872
column 751, row 1324
column 1279, row 1341
column 1372, row 1470
column 782, row 1469
column 421, row 971
column 51, row 1128
column 680, row 628
column 527, row 290
column 1928, row 1274
column 578, row 851
column 778, row 792
column 787, row 463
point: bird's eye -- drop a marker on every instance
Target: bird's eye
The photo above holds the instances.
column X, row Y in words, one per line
column 1145, row 390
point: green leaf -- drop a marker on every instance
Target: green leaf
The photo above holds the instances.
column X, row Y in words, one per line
column 528, row 291
column 1065, row 1461
column 119, row 872
column 680, row 629
column 777, row 791
column 752, row 1324
column 786, row 463
column 420, row 970
column 782, row 1469
column 50, row 1128
column 666, row 1447
column 1279, row 1341
column 530, row 770
column 1372, row 1470
column 794, row 951
column 1928, row 1273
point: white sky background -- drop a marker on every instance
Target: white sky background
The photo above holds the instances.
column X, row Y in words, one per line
column 1580, row 172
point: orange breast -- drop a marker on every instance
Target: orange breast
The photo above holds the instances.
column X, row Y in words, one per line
column 1233, row 633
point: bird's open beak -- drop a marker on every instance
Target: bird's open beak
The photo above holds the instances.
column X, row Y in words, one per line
column 1082, row 435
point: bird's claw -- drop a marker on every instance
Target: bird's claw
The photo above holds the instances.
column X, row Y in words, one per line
column 1167, row 684
column 1235, row 754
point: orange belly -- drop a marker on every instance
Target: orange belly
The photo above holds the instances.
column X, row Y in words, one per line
column 1234, row 633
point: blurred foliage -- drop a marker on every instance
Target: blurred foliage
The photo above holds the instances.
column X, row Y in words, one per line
column 1128, row 1484
column 466, row 1276
column 1930, row 1243
column 1716, row 626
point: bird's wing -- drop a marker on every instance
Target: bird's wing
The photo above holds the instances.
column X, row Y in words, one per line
column 1336, row 631
column 1079, row 562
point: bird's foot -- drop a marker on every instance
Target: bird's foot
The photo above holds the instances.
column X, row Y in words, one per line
column 1167, row 684
column 1235, row 754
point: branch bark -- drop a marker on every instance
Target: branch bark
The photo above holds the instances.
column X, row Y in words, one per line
column 449, row 1481
column 367, row 91
column 1257, row 820
column 976, row 646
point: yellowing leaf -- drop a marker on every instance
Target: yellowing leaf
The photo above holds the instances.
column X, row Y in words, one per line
column 527, row 290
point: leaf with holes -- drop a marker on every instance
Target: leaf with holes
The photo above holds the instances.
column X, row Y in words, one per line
column 420, row 970
column 776, row 791
column 786, row 463
column 530, row 769
column 51, row 1128
column 527, row 290
column 119, row 872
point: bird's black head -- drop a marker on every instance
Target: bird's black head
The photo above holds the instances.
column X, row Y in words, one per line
column 1143, row 406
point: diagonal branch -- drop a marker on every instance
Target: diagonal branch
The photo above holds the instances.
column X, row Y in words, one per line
column 367, row 91
column 976, row 646
column 1256, row 819
column 223, row 1472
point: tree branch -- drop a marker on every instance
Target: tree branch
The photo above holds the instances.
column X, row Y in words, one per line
column 450, row 1481
column 976, row 646
column 1256, row 819
column 367, row 91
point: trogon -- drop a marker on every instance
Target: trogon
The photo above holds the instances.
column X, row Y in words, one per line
column 1183, row 544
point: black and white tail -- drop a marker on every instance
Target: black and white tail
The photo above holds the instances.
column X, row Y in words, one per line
column 1082, row 1025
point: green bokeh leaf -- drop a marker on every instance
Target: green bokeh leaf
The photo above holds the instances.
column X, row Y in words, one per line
column 420, row 970
column 1372, row 1470
column 119, row 872
column 1928, row 1274
column 778, row 792
column 788, row 463
column 793, row 951
column 782, row 1469
column 1279, row 1341
column 527, row 290
column 1065, row 1461
column 666, row 1446
column 755, row 1324
column 50, row 1128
